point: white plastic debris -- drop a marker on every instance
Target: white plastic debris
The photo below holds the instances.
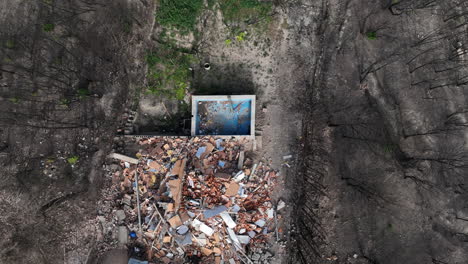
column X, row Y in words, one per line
column 239, row 176
column 227, row 219
column 243, row 239
column 234, row 239
column 206, row 229
column 270, row 213
column 281, row 205
column 260, row 222
column 196, row 224
column 180, row 251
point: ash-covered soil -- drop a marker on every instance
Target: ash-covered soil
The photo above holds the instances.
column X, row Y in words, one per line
column 385, row 157
column 66, row 71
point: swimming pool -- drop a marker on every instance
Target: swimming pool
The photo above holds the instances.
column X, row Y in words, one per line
column 223, row 115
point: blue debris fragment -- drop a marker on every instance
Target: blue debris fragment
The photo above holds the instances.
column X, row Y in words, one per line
column 200, row 151
column 235, row 208
column 215, row 211
column 136, row 261
column 185, row 240
column 133, row 234
column 221, row 163
column 182, row 230
column 260, row 222
column 218, row 144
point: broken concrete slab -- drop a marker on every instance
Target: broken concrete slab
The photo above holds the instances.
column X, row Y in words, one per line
column 122, row 235
column 120, row 214
column 123, row 158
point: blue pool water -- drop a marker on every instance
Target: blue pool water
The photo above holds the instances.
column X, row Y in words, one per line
column 223, row 117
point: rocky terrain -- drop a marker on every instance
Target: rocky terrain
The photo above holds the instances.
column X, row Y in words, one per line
column 369, row 95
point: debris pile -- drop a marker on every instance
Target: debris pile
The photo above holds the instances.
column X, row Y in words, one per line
column 200, row 199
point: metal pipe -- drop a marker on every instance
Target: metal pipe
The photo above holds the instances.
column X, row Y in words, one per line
column 138, row 200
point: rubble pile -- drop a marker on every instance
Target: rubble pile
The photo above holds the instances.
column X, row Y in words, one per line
column 200, row 199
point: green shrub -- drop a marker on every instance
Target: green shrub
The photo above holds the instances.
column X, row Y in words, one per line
column 390, row 148
column 244, row 10
column 180, row 91
column 211, row 3
column 64, row 102
column 168, row 71
column 48, row 27
column 372, row 35
column 127, row 26
column 241, row 36
column 82, row 92
column 152, row 59
column 10, row 44
column 180, row 14
column 72, row 160
column 14, row 100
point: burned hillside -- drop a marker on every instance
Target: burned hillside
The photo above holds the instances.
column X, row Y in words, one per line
column 361, row 113
column 386, row 153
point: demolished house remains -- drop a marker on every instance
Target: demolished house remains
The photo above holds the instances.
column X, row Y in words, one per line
column 198, row 198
